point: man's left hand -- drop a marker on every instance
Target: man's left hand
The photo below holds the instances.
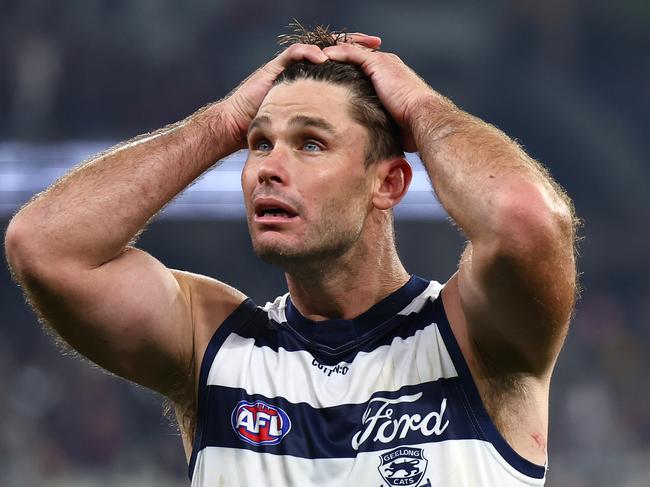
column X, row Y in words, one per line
column 399, row 88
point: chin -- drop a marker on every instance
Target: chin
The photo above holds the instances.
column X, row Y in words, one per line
column 286, row 259
column 304, row 252
column 304, row 259
column 274, row 250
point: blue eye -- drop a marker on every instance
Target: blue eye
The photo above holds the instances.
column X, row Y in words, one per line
column 311, row 146
column 263, row 145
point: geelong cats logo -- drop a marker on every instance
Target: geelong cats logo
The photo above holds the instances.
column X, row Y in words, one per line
column 259, row 423
column 403, row 466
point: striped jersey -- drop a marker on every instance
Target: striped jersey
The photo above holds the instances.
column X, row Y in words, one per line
column 385, row 399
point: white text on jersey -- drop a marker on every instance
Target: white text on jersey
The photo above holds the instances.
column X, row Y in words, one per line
column 387, row 429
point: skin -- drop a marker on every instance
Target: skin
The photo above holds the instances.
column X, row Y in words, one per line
column 509, row 304
column 342, row 227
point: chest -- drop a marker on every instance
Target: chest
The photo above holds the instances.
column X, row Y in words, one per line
column 294, row 401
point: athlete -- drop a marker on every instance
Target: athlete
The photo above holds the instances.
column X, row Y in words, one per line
column 362, row 374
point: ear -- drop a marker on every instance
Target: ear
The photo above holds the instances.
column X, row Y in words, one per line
column 393, row 177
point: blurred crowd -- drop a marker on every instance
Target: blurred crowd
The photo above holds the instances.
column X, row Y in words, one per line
column 567, row 78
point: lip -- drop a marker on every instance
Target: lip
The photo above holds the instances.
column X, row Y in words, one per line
column 264, row 203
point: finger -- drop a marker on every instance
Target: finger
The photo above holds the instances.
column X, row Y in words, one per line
column 301, row 52
column 365, row 47
column 347, row 53
column 371, row 42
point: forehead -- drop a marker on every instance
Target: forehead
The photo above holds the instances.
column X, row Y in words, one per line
column 308, row 98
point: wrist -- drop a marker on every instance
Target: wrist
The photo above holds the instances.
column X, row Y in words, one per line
column 219, row 134
column 430, row 108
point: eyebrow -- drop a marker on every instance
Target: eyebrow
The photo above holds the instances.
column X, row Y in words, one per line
column 316, row 122
column 296, row 121
column 261, row 121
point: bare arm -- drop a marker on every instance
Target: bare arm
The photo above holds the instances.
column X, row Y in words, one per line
column 69, row 246
column 517, row 276
column 516, row 281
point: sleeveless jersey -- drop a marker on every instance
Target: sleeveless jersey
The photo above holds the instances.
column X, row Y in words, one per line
column 385, row 399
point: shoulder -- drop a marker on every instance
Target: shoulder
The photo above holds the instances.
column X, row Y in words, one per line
column 211, row 302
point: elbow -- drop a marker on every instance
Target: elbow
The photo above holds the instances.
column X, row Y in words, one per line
column 19, row 249
column 535, row 222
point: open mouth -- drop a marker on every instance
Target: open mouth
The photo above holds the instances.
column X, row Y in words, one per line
column 273, row 211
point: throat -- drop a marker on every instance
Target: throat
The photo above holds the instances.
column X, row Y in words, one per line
column 345, row 284
column 342, row 296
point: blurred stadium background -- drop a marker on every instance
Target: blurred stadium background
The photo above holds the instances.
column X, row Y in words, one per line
column 569, row 79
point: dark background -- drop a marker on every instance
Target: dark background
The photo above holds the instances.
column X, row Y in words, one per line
column 567, row 78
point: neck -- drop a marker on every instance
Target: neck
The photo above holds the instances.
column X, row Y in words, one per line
column 349, row 284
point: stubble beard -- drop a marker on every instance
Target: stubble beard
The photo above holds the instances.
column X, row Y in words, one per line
column 317, row 253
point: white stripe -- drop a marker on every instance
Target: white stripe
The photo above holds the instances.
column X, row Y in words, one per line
column 276, row 309
column 457, row 463
column 294, row 376
column 298, row 377
column 431, row 292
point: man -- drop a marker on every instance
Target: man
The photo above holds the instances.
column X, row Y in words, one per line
column 361, row 374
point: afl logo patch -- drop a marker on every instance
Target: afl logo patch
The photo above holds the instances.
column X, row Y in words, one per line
column 259, row 423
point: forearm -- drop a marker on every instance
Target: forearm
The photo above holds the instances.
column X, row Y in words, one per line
column 483, row 179
column 91, row 214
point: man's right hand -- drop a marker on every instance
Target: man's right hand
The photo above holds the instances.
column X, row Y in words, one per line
column 240, row 107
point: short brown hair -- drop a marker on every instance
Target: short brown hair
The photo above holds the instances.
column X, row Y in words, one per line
column 384, row 136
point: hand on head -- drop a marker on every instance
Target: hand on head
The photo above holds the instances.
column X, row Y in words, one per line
column 399, row 88
column 362, row 40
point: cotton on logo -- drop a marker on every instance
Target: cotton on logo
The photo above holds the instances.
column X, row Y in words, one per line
column 259, row 423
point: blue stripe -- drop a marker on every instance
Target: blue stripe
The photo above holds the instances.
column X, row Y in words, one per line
column 268, row 333
column 328, row 432
column 339, row 334
column 472, row 398
column 244, row 312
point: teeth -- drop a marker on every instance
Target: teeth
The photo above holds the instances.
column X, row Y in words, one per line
column 274, row 212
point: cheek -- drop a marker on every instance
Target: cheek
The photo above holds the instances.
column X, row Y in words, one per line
column 345, row 201
column 247, row 182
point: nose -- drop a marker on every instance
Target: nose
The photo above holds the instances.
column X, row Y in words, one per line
column 272, row 168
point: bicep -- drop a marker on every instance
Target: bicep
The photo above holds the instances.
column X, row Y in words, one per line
column 132, row 316
column 517, row 300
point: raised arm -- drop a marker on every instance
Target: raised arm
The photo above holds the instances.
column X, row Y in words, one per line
column 516, row 281
column 70, row 250
column 71, row 247
column 517, row 277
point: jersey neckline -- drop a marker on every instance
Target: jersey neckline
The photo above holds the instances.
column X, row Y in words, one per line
column 336, row 334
